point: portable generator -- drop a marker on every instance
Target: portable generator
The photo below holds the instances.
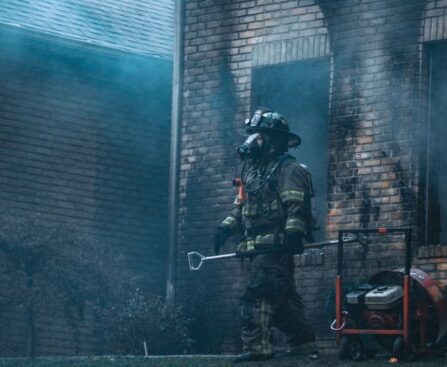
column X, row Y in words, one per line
column 403, row 310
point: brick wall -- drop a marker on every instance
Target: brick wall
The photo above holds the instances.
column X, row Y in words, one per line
column 85, row 136
column 376, row 126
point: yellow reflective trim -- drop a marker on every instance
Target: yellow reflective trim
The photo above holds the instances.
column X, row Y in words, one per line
column 265, row 329
column 292, row 195
column 250, row 245
column 237, row 201
column 249, row 210
column 265, row 239
column 229, row 221
column 246, row 246
column 295, row 224
column 242, row 247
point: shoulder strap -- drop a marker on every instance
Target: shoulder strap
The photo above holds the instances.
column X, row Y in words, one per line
column 278, row 164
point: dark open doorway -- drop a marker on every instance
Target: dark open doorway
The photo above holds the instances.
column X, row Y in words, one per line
column 300, row 91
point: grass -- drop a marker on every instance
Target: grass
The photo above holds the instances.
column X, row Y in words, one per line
column 204, row 361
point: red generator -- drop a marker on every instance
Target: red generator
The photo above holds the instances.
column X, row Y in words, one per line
column 403, row 310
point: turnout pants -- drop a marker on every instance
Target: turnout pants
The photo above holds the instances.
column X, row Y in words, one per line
column 271, row 299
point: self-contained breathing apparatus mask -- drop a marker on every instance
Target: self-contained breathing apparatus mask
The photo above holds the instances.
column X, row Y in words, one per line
column 253, row 147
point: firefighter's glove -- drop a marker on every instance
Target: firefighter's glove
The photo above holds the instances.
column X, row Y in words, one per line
column 220, row 237
column 293, row 243
column 245, row 247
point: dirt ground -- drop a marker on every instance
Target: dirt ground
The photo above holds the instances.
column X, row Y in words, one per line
column 209, row 361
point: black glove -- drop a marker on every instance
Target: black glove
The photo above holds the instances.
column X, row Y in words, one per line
column 293, row 243
column 220, row 237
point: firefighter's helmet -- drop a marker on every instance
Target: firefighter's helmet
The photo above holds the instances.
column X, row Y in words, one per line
column 267, row 120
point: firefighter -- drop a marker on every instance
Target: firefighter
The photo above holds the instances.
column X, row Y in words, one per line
column 275, row 216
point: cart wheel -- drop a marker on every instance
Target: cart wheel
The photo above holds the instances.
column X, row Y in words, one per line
column 351, row 348
column 402, row 351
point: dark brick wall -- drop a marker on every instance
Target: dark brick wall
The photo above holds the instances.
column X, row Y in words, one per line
column 376, row 126
column 85, row 136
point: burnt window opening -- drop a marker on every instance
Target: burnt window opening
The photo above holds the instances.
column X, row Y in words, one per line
column 300, row 91
column 436, row 159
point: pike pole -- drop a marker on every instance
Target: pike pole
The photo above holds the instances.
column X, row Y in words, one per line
column 196, row 259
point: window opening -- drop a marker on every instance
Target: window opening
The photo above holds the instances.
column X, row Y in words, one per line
column 300, row 91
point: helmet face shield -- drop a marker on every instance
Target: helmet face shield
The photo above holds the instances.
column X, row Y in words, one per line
column 257, row 118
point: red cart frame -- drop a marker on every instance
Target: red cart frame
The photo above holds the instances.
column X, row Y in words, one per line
column 339, row 322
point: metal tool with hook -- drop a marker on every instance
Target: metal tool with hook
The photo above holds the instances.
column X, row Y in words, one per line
column 196, row 259
column 199, row 259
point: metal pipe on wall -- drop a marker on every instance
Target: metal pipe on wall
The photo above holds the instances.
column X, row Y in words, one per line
column 176, row 114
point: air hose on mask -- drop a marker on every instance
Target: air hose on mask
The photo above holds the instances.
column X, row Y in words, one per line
column 267, row 176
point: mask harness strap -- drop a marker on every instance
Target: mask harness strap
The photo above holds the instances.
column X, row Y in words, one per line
column 267, row 176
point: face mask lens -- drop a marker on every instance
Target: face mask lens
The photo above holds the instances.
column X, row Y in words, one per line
column 250, row 147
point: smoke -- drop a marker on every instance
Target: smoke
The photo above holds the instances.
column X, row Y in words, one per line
column 85, row 121
column 375, row 102
column 85, row 132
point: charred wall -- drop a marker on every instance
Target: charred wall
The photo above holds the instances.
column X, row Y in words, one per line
column 377, row 127
column 85, row 137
